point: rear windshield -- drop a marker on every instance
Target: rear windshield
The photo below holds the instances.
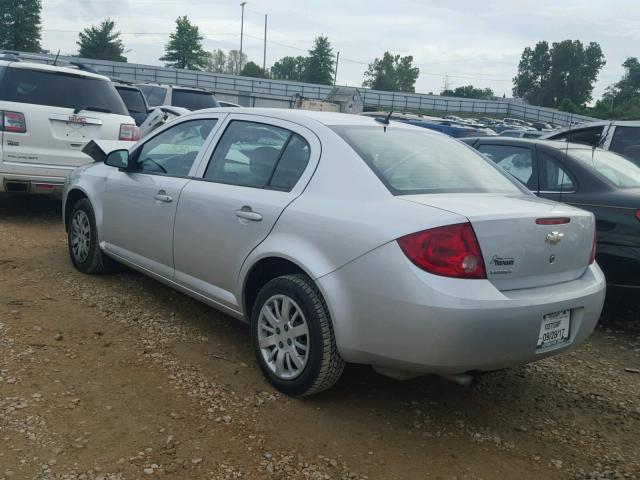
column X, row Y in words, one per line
column 193, row 99
column 155, row 95
column 58, row 89
column 133, row 99
column 614, row 168
column 411, row 161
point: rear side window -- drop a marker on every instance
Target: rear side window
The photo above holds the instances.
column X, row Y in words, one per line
column 626, row 140
column 57, row 89
column 155, row 95
column 412, row 161
column 517, row 161
column 555, row 176
column 192, row 99
column 258, row 155
column 133, row 100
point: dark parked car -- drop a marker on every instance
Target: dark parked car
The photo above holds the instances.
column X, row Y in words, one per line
column 597, row 180
column 134, row 100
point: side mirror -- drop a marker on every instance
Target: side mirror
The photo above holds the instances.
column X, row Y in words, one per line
column 118, row 159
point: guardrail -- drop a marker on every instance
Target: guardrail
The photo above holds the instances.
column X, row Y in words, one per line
column 258, row 92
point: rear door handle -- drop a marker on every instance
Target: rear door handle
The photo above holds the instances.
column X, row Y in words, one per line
column 248, row 214
column 162, row 196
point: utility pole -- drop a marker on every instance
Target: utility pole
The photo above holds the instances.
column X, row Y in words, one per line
column 335, row 75
column 241, row 35
column 264, row 55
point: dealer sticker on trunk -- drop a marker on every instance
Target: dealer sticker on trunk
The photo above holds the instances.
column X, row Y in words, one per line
column 555, row 329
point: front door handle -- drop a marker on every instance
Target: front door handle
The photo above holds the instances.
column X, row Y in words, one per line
column 162, row 196
column 248, row 214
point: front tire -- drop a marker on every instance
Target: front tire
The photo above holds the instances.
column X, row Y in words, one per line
column 82, row 237
column 293, row 337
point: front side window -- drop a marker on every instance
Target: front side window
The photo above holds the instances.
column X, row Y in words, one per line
column 412, row 161
column 626, row 140
column 173, row 151
column 517, row 161
column 556, row 178
column 60, row 89
column 258, row 155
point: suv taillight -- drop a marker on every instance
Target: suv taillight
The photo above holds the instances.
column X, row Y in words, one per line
column 13, row 122
column 450, row 251
column 592, row 258
column 129, row 133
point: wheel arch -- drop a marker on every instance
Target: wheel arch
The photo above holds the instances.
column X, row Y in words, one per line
column 71, row 198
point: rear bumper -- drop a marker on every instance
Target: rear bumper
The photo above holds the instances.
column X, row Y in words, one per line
column 33, row 179
column 388, row 313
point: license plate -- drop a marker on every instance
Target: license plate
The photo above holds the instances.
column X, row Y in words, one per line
column 555, row 329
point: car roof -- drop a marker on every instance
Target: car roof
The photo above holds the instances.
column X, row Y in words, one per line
column 558, row 145
column 175, row 87
column 293, row 115
column 43, row 67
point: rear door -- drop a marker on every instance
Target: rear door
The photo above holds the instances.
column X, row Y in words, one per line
column 257, row 167
column 60, row 113
column 139, row 206
column 556, row 181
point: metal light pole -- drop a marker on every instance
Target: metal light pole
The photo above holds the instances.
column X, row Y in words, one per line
column 242, row 4
column 264, row 55
column 335, row 75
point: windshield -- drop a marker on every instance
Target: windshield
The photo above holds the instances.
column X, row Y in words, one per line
column 193, row 99
column 612, row 167
column 133, row 99
column 410, row 161
column 59, row 89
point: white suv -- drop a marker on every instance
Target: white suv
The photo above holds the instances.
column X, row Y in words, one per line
column 47, row 115
column 190, row 98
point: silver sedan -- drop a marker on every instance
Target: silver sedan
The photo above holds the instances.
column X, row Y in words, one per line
column 342, row 238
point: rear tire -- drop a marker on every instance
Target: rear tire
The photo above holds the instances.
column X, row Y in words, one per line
column 293, row 337
column 82, row 237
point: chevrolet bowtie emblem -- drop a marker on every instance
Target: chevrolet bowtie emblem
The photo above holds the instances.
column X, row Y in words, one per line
column 554, row 237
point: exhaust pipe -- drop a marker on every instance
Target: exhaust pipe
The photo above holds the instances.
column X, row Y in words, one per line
column 463, row 379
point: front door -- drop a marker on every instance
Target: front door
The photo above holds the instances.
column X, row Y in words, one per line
column 257, row 168
column 140, row 205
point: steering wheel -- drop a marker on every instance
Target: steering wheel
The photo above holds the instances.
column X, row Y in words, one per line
column 164, row 170
column 403, row 160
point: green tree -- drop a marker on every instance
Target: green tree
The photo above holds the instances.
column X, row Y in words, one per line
column 469, row 91
column 392, row 73
column 568, row 106
column 289, row 68
column 184, row 49
column 622, row 99
column 251, row 69
column 101, row 42
column 547, row 75
column 20, row 25
column 216, row 62
column 319, row 65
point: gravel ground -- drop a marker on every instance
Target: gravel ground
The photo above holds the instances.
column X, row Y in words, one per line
column 119, row 377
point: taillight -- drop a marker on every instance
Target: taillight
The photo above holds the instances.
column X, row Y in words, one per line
column 592, row 258
column 638, row 215
column 450, row 251
column 129, row 133
column 13, row 122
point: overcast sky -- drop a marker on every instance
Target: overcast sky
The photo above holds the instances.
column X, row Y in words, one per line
column 462, row 41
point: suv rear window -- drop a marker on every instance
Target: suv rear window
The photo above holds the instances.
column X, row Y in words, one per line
column 412, row 161
column 155, row 95
column 59, row 89
column 133, row 99
column 192, row 99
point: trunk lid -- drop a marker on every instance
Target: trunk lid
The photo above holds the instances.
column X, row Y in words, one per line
column 518, row 252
